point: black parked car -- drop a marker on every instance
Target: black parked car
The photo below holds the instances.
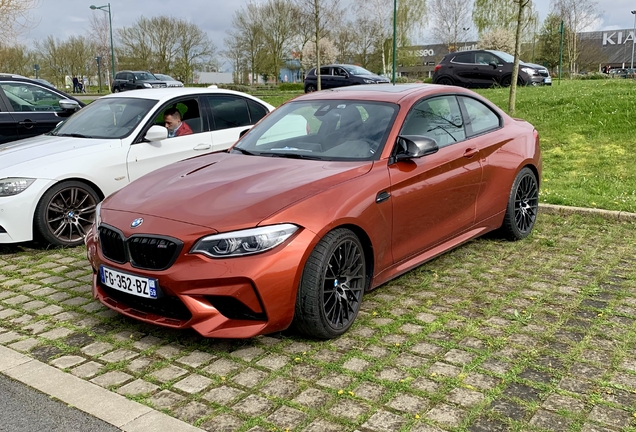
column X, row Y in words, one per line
column 340, row 75
column 29, row 108
column 484, row 68
column 132, row 80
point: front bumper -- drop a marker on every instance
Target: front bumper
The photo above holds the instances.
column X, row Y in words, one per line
column 225, row 298
column 16, row 212
column 538, row 80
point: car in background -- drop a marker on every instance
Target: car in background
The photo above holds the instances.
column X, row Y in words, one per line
column 29, row 107
column 170, row 82
column 286, row 229
column 622, row 73
column 135, row 80
column 340, row 75
column 485, row 68
column 51, row 184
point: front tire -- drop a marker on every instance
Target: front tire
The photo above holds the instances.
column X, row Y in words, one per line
column 116, row 90
column 310, row 88
column 523, row 205
column 331, row 288
column 65, row 213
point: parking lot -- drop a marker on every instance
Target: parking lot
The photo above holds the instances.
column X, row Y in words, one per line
column 534, row 335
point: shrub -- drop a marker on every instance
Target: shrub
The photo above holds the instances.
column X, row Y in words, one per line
column 291, row 86
column 591, row 76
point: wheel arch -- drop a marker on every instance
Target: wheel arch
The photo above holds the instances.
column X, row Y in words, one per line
column 367, row 245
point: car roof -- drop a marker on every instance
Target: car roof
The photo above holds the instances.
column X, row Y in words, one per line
column 164, row 94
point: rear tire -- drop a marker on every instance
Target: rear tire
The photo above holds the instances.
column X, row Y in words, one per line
column 445, row 81
column 523, row 205
column 310, row 88
column 331, row 288
column 116, row 90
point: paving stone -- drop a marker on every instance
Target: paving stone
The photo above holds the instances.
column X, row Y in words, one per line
column 384, row 421
column 169, row 373
column 480, row 381
column 459, row 357
column 443, row 369
column 610, row 416
column 348, row 409
column 223, row 395
column 411, row 329
column 6, row 313
column 297, row 347
column 166, row 399
column 253, row 405
column 356, row 364
column 37, row 327
column 408, row 403
column 551, row 421
column 509, row 409
column 589, row 427
column 446, row 415
column 76, row 301
column 496, row 366
column 192, row 412
column 8, row 337
column 139, row 365
column 287, row 418
column 137, row 387
column 6, row 294
column 576, row 386
column 97, row 348
column 222, row 367
column 87, row 370
column 58, row 296
column 425, row 384
column 323, row 426
column 24, row 345
column 335, row 381
column 273, row 362
column 247, row 354
column 392, row 374
column 375, row 351
column 43, row 292
column 66, row 316
column 112, row 378
column 169, row 351
column 196, row 359
column 465, row 397
column 312, row 398
column 305, row 372
column 521, row 391
column 223, row 423
column 22, row 319
column 370, row 391
column 119, row 355
column 193, row 384
column 34, row 304
column 66, row 362
column 147, row 343
column 52, row 280
column 327, row 356
column 17, row 300
column 426, row 349
column 94, row 306
column 363, row 332
column 280, row 387
column 624, row 379
column 556, row 402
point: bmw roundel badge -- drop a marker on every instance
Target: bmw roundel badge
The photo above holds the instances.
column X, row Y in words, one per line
column 136, row 222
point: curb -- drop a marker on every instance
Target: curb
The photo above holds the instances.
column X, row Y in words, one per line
column 606, row 214
column 113, row 408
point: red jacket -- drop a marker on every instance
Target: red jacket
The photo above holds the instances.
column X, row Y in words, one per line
column 184, row 129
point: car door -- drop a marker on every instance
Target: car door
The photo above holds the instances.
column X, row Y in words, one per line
column 434, row 196
column 230, row 115
column 488, row 71
column 340, row 78
column 144, row 157
column 35, row 109
column 462, row 68
column 8, row 125
column 326, row 81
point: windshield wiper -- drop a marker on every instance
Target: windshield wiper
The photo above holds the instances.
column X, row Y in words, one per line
column 245, row 152
column 75, row 135
column 291, row 156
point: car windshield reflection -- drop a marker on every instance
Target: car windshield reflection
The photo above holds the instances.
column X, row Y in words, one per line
column 106, row 118
column 324, row 130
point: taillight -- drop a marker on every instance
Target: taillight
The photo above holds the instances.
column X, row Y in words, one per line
column 438, row 67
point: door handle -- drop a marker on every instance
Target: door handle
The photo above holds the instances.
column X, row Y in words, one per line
column 28, row 124
column 470, row 152
column 203, row 147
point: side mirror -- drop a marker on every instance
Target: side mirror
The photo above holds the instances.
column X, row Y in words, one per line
column 415, row 146
column 156, row 133
column 68, row 105
column 243, row 132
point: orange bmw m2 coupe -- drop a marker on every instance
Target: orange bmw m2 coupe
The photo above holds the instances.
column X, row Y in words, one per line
column 329, row 196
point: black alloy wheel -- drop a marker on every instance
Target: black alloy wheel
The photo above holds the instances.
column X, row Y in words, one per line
column 333, row 283
column 66, row 213
column 523, row 206
column 445, row 81
column 310, row 88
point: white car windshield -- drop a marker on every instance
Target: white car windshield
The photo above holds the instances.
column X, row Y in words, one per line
column 106, row 118
column 324, row 130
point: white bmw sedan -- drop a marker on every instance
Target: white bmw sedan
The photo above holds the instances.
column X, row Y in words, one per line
column 51, row 184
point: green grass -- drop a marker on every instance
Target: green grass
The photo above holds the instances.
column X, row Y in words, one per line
column 586, row 130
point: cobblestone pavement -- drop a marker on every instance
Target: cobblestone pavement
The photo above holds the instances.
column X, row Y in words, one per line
column 494, row 336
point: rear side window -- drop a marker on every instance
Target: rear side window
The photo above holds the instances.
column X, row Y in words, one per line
column 229, row 112
column 257, row 111
column 481, row 118
column 325, row 71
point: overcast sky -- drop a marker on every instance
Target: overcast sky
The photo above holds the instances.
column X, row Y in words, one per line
column 63, row 18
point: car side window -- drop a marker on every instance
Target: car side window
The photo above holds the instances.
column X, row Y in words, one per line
column 480, row 117
column 463, row 58
column 30, row 97
column 439, row 118
column 257, row 111
column 190, row 116
column 229, row 112
column 325, row 71
column 486, row 59
column 339, row 72
column 129, row 77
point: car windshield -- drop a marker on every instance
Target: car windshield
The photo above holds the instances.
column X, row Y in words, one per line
column 165, row 77
column 144, row 76
column 504, row 56
column 357, row 70
column 325, row 130
column 106, row 118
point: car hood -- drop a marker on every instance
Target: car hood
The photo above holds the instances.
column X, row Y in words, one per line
column 40, row 154
column 374, row 77
column 225, row 191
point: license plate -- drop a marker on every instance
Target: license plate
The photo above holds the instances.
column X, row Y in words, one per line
column 128, row 283
column 547, row 80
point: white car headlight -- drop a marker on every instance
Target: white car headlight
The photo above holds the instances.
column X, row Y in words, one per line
column 530, row 71
column 147, row 85
column 244, row 242
column 14, row 185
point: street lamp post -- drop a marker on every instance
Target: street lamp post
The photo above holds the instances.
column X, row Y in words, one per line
column 633, row 35
column 106, row 8
column 466, row 29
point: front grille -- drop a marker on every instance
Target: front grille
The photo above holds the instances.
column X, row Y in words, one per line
column 159, row 85
column 233, row 308
column 112, row 243
column 167, row 306
column 153, row 253
column 544, row 73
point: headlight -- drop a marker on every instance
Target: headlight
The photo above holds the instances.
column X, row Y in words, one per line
column 370, row 81
column 530, row 71
column 14, row 185
column 244, row 242
column 147, row 85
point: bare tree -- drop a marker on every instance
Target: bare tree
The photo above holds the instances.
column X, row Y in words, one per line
column 367, row 34
column 16, row 19
column 135, row 50
column 194, row 49
column 451, row 21
column 278, row 21
column 17, row 59
column 235, row 53
column 248, row 34
column 53, row 63
column 495, row 14
column 577, row 15
column 100, row 35
column 321, row 16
